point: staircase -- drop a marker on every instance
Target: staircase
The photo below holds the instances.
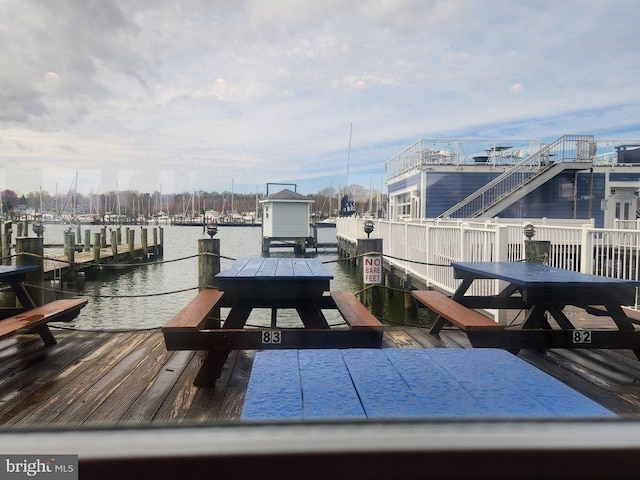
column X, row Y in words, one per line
column 569, row 152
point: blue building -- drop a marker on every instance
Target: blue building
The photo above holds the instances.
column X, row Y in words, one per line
column 573, row 177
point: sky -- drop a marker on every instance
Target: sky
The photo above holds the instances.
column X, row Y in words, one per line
column 220, row 95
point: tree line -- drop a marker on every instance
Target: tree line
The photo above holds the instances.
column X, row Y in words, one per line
column 134, row 204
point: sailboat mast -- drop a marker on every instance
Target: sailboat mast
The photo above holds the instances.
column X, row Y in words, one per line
column 346, row 185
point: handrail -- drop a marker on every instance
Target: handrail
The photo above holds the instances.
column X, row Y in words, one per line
column 567, row 148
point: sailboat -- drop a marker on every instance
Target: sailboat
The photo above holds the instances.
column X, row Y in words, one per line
column 347, row 204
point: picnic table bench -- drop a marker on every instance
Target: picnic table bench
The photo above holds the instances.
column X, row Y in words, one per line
column 449, row 310
column 31, row 318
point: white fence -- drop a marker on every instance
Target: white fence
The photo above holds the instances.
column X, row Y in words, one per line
column 425, row 250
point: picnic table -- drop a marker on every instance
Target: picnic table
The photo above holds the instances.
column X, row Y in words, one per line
column 298, row 284
column 543, row 292
column 393, row 383
column 30, row 318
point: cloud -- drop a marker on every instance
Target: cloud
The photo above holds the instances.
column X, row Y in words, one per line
column 190, row 94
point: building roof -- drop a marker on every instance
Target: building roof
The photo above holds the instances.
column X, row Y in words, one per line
column 288, row 196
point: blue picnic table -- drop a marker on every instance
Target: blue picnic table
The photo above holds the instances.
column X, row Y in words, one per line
column 543, row 292
column 352, row 384
column 298, row 284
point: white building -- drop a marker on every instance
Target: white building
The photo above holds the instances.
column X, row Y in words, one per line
column 285, row 220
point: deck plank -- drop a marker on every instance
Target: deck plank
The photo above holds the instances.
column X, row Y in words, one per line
column 127, row 378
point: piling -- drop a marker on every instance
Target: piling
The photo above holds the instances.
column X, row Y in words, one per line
column 70, row 246
column 6, row 243
column 97, row 242
column 30, row 251
column 87, row 240
column 371, row 297
column 537, row 251
column 154, row 236
column 145, row 244
column 114, row 245
column 131, row 236
column 208, row 267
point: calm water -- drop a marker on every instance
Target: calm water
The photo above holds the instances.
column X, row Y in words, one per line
column 112, row 307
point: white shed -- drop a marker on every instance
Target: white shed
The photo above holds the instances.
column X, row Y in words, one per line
column 285, row 218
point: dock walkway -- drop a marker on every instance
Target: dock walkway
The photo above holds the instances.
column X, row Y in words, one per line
column 95, row 379
column 85, row 260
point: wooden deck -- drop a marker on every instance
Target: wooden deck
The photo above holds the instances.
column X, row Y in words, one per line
column 95, row 379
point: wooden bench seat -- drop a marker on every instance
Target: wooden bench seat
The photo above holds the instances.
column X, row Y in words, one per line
column 354, row 313
column 35, row 320
column 462, row 317
column 193, row 316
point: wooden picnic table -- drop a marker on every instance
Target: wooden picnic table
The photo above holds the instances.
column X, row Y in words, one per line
column 274, row 284
column 391, row 383
column 543, row 292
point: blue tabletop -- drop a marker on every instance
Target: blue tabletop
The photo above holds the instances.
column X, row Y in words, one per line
column 405, row 383
column 7, row 272
column 259, row 268
column 532, row 274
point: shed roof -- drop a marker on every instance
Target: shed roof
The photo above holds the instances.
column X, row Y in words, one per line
column 287, row 195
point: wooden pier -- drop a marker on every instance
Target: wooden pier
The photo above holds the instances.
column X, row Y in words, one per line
column 122, row 248
column 130, row 379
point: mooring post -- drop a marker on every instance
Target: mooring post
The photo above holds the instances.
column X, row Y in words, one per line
column 87, row 241
column 208, row 267
column 103, row 237
column 6, row 243
column 114, row 245
column 97, row 242
column 372, row 297
column 161, row 246
column 19, row 230
column 70, row 246
column 131, row 240
column 145, row 244
column 154, row 236
column 30, row 251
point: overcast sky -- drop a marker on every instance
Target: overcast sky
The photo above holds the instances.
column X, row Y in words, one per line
column 177, row 96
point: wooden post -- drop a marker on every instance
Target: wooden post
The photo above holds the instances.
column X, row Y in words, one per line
column 208, row 267
column 97, row 242
column 372, row 297
column 131, row 237
column 114, row 245
column 19, row 230
column 87, row 240
column 70, row 246
column 103, row 237
column 145, row 244
column 35, row 247
column 161, row 245
column 78, row 233
column 6, row 243
column 154, row 236
column 537, row 251
column 119, row 235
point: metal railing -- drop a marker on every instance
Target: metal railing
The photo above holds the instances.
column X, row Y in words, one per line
column 568, row 148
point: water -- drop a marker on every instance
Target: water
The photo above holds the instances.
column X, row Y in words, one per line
column 145, row 297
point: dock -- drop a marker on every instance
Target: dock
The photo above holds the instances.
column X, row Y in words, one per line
column 102, row 379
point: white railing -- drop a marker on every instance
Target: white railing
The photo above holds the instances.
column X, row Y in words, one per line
column 425, row 250
column 568, row 148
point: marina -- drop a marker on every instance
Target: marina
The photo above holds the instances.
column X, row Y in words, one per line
column 121, row 363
